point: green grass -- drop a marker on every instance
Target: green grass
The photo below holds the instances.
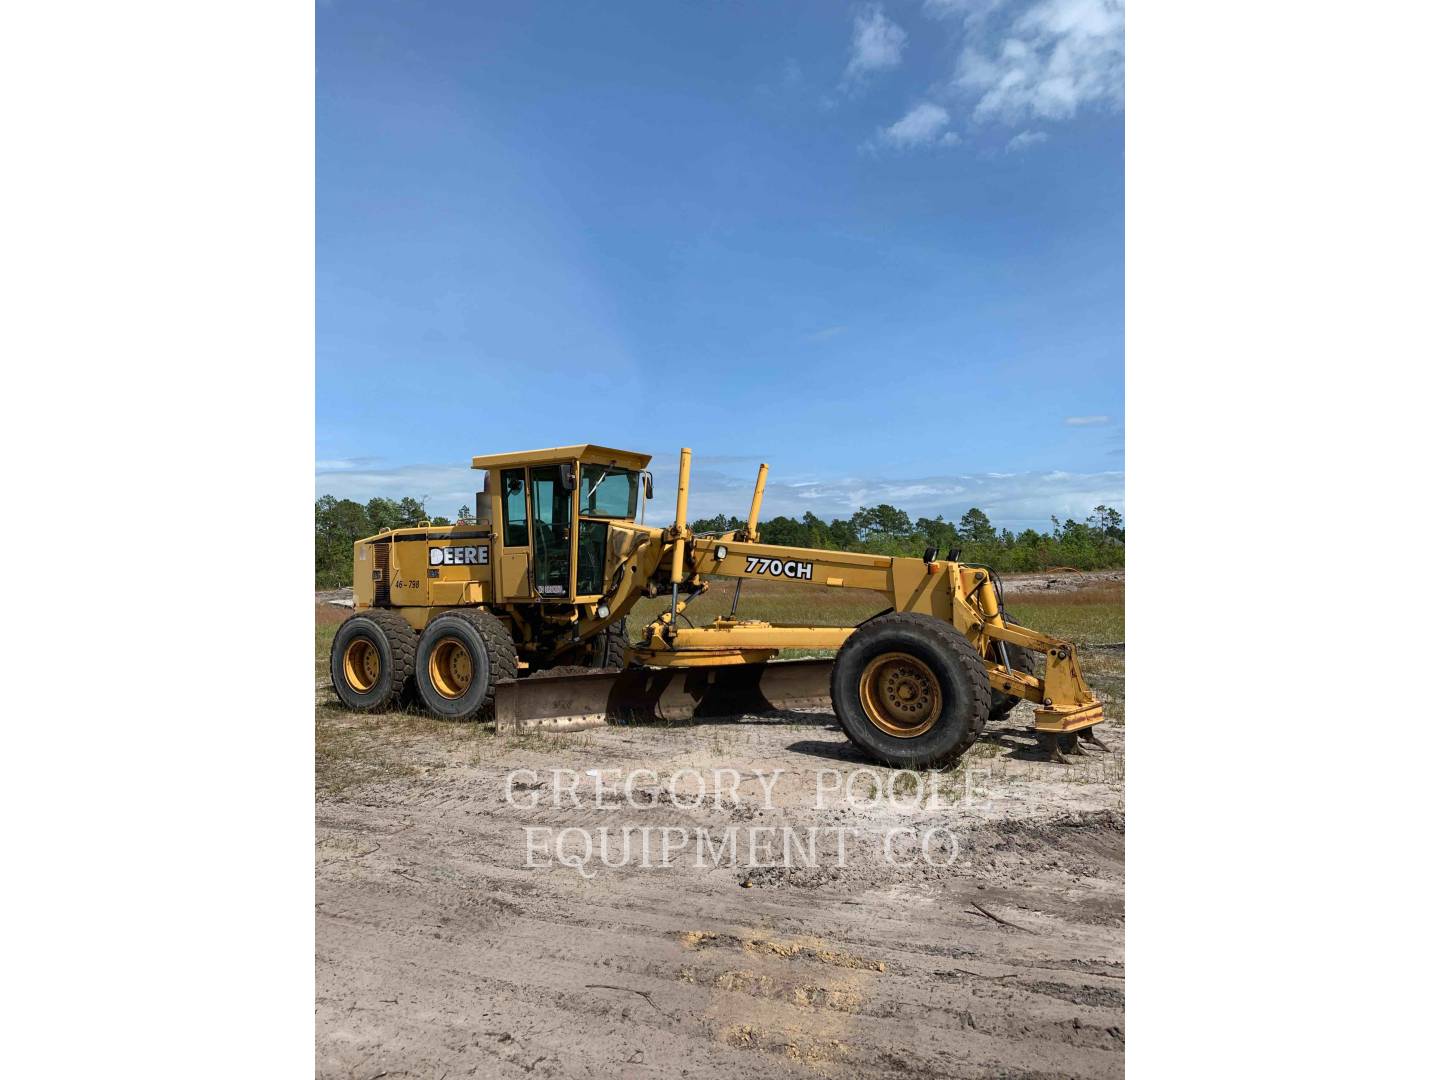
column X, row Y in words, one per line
column 1087, row 616
column 772, row 601
column 324, row 635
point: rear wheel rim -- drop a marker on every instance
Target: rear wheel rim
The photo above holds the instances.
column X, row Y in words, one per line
column 362, row 665
column 451, row 668
column 900, row 695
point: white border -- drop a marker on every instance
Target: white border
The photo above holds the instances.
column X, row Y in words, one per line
column 1280, row 314
column 158, row 339
column 158, row 439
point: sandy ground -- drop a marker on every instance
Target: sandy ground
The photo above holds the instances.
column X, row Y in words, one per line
column 441, row 953
column 1072, row 581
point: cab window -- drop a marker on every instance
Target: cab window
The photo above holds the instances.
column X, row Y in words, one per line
column 517, row 530
column 607, row 492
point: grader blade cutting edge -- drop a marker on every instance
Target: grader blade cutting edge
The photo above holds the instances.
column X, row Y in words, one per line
column 640, row 695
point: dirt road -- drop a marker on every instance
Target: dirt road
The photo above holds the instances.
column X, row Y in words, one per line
column 441, row 953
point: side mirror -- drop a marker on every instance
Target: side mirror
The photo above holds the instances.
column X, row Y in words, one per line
column 567, row 476
column 649, row 484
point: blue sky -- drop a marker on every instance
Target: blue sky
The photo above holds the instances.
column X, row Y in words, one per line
column 879, row 246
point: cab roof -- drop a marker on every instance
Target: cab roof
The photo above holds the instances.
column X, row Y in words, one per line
column 587, row 453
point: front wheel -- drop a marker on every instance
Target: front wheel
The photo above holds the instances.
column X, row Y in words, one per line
column 610, row 646
column 605, row 650
column 910, row 690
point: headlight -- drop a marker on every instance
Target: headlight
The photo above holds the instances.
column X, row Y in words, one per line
column 603, row 611
column 721, row 551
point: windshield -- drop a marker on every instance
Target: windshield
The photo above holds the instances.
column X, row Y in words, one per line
column 607, row 491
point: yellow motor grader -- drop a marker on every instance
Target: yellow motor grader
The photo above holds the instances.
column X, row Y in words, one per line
column 521, row 615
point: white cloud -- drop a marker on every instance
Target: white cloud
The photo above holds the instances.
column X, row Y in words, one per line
column 945, row 9
column 1024, row 139
column 1086, row 421
column 338, row 464
column 971, row 13
column 876, row 45
column 826, row 334
column 922, row 124
column 1045, row 61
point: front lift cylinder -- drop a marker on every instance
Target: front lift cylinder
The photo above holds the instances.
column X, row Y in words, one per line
column 677, row 557
column 986, row 600
column 989, row 603
column 753, row 522
column 682, row 499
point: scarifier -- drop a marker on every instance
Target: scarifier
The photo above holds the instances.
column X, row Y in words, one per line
column 469, row 617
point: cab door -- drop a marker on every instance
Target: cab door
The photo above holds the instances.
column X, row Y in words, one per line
column 513, row 569
column 550, row 520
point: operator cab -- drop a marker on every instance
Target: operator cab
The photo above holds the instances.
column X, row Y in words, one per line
column 553, row 510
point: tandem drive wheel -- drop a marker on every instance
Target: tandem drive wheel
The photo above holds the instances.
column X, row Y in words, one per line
column 371, row 658
column 461, row 655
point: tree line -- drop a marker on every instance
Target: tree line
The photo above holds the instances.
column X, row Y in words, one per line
column 340, row 522
column 1097, row 543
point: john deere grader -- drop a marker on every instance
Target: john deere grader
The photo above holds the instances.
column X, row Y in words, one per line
column 521, row 615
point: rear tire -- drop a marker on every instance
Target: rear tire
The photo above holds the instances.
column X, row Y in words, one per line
column 461, row 655
column 372, row 660
column 910, row 690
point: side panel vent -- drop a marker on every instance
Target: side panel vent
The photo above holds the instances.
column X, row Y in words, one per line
column 382, row 575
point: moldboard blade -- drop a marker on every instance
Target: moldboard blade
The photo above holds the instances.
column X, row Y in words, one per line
column 640, row 695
